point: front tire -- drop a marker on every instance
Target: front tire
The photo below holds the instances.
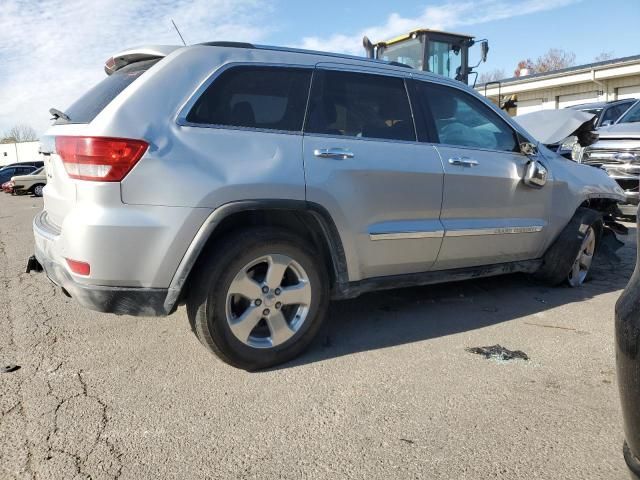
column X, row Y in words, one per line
column 582, row 264
column 569, row 258
column 259, row 299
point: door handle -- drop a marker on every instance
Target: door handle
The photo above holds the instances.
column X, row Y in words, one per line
column 463, row 161
column 337, row 153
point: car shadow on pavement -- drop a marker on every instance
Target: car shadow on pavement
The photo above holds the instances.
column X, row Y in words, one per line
column 395, row 317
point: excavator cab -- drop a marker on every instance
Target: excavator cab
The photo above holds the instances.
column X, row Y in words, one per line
column 443, row 53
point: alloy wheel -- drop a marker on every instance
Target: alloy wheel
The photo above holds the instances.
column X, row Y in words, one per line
column 268, row 301
column 582, row 263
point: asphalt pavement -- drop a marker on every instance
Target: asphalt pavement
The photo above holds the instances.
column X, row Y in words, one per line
column 387, row 391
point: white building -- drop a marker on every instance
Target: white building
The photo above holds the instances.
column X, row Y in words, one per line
column 603, row 81
column 19, row 152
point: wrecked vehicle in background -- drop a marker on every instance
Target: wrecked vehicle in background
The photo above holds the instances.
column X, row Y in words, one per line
column 614, row 149
column 617, row 151
column 565, row 132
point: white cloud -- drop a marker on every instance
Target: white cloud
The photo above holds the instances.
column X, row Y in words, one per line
column 446, row 16
column 54, row 50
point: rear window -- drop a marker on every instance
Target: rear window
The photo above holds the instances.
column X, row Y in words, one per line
column 88, row 106
column 255, row 97
column 360, row 105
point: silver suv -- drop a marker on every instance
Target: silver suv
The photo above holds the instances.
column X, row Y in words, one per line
column 255, row 183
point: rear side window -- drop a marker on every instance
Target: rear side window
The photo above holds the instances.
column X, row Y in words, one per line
column 273, row 98
column 360, row 105
column 87, row 107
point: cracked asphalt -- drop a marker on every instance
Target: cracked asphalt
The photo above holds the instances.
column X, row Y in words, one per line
column 387, row 390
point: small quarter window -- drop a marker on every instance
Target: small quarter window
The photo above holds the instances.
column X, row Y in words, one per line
column 360, row 105
column 255, row 97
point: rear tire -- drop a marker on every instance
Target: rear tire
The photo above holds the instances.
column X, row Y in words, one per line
column 259, row 298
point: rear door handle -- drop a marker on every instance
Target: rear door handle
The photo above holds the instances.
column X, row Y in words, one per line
column 463, row 161
column 337, row 153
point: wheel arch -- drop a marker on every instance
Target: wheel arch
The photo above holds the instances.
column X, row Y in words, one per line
column 309, row 220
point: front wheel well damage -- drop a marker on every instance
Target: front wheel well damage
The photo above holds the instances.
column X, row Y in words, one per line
column 606, row 206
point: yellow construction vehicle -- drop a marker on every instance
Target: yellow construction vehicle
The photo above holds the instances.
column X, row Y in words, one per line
column 444, row 53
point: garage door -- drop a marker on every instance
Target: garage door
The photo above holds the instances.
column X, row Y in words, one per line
column 528, row 106
column 565, row 101
column 629, row 92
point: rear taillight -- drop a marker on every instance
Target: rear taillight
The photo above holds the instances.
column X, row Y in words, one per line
column 100, row 159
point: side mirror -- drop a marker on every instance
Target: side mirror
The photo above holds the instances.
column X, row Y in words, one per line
column 606, row 123
column 535, row 175
column 528, row 148
column 484, row 50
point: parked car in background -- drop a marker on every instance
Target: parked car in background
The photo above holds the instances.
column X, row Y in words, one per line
column 16, row 169
column 617, row 151
column 34, row 182
column 607, row 113
column 260, row 194
column 35, row 163
column 627, row 341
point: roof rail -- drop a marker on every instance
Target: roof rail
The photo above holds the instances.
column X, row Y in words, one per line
column 399, row 64
column 228, row 44
column 303, row 51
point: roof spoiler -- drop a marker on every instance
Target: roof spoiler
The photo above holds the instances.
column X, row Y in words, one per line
column 137, row 54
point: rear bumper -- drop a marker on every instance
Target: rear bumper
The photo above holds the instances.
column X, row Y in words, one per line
column 100, row 298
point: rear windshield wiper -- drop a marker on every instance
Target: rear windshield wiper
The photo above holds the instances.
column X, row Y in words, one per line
column 59, row 114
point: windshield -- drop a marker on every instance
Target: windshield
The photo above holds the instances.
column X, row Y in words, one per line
column 595, row 111
column 408, row 52
column 632, row 115
column 36, row 172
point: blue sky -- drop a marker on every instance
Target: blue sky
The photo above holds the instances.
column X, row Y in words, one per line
column 53, row 50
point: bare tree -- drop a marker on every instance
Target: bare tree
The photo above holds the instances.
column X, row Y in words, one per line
column 524, row 64
column 603, row 56
column 19, row 134
column 554, row 59
column 491, row 76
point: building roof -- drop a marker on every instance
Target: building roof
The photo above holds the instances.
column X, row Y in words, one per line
column 584, row 106
column 564, row 71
